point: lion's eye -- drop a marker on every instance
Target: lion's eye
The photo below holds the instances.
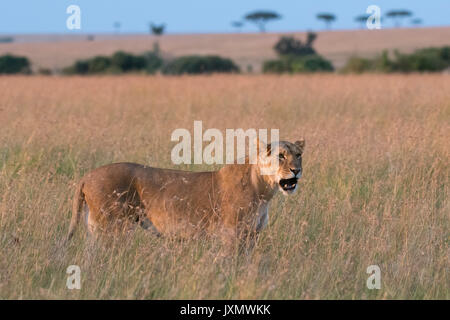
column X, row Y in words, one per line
column 281, row 156
column 298, row 155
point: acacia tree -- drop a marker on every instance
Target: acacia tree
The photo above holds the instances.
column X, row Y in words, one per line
column 260, row 18
column 416, row 21
column 117, row 26
column 328, row 18
column 397, row 15
column 362, row 19
column 238, row 25
column 157, row 30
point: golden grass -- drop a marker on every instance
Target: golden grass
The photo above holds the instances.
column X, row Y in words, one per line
column 56, row 52
column 375, row 187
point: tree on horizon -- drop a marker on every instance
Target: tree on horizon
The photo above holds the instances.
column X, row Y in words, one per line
column 238, row 25
column 157, row 30
column 397, row 15
column 362, row 19
column 328, row 18
column 117, row 25
column 416, row 22
column 260, row 18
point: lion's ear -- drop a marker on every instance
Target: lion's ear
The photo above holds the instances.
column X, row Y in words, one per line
column 262, row 146
column 300, row 143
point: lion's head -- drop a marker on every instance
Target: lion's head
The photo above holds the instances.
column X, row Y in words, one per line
column 282, row 164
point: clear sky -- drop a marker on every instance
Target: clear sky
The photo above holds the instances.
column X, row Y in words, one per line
column 201, row 16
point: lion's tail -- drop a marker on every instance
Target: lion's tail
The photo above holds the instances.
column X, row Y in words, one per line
column 78, row 203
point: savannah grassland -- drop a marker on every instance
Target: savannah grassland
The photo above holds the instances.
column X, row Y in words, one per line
column 375, row 188
column 58, row 51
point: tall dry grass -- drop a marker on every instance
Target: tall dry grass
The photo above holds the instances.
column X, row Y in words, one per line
column 375, row 187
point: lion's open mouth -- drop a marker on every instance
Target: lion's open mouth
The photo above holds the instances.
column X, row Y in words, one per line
column 288, row 184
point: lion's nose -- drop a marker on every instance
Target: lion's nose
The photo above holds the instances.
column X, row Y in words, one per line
column 295, row 171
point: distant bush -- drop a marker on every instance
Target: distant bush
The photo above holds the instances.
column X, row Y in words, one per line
column 79, row 67
column 297, row 57
column 99, row 64
column 119, row 62
column 292, row 46
column 200, row 64
column 429, row 59
column 423, row 60
column 128, row 62
column 276, row 66
column 312, row 63
column 358, row 65
column 153, row 62
column 10, row 64
column 45, row 71
column 298, row 64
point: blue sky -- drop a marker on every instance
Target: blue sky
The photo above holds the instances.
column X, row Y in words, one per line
column 200, row 16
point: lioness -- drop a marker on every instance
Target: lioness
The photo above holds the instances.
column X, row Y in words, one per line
column 232, row 202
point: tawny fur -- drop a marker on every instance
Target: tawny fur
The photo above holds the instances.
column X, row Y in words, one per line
column 231, row 202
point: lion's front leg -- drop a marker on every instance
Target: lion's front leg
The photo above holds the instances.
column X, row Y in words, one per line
column 239, row 240
column 229, row 238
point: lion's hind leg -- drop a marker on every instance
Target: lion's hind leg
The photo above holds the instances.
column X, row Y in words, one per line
column 110, row 215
